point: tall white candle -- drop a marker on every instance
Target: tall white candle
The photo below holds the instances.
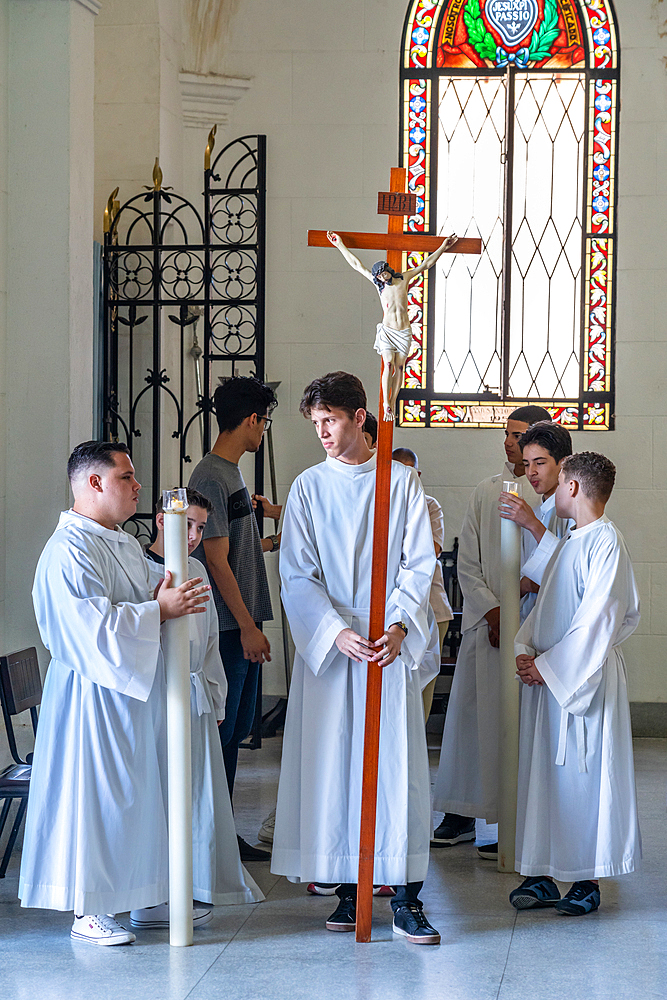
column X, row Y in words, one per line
column 510, row 560
column 177, row 668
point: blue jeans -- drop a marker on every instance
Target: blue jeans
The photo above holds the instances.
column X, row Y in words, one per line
column 241, row 699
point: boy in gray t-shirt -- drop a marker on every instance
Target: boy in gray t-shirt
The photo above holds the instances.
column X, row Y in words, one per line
column 233, row 554
column 233, row 517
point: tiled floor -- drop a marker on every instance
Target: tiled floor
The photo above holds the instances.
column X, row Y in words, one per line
column 279, row 949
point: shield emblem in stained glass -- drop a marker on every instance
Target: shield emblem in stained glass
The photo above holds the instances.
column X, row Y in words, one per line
column 513, row 20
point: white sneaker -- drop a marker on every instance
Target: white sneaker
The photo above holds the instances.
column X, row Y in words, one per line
column 100, row 928
column 266, row 829
column 158, row 916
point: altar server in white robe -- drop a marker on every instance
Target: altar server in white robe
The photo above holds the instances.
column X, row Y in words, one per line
column 544, row 446
column 218, row 875
column 577, row 809
column 325, row 568
column 466, row 785
column 96, row 834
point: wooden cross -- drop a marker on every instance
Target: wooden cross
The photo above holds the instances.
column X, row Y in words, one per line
column 395, row 203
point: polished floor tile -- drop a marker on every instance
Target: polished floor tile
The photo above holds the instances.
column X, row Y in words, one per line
column 280, row 949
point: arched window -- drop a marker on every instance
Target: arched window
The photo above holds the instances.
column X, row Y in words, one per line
column 509, row 112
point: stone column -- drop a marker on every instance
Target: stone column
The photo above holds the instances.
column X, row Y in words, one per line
column 49, row 278
column 206, row 101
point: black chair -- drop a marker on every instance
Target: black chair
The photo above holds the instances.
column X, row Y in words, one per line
column 20, row 690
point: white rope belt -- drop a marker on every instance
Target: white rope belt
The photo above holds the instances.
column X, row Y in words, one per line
column 201, row 698
column 580, row 732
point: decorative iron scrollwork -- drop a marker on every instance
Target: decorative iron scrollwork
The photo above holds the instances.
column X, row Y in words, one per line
column 197, row 276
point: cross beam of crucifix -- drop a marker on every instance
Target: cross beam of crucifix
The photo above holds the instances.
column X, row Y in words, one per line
column 395, row 242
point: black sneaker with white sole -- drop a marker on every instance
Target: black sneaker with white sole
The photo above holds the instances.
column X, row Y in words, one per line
column 583, row 897
column 488, row 851
column 534, row 892
column 344, row 917
column 410, row 922
column 453, row 830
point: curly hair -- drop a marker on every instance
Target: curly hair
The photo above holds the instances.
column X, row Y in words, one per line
column 595, row 474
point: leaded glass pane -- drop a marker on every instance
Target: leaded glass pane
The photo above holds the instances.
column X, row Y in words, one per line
column 469, row 202
column 548, row 152
column 532, row 319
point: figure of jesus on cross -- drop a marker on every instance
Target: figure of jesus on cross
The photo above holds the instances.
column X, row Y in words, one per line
column 394, row 334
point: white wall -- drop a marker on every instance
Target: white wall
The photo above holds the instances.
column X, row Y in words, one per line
column 48, row 357
column 325, row 92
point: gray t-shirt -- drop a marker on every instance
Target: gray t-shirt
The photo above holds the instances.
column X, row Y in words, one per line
column 233, row 517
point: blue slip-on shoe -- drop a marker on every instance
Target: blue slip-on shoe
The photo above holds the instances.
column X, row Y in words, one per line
column 583, row 897
column 535, row 892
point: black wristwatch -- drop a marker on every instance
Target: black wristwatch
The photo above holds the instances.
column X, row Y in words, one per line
column 275, row 539
column 401, row 625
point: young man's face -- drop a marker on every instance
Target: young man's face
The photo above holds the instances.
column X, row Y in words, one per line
column 541, row 469
column 337, row 430
column 197, row 518
column 256, row 426
column 513, row 431
column 120, row 489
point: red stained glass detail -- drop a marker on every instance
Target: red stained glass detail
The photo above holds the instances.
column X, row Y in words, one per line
column 422, row 25
column 419, row 113
column 603, row 93
column 415, row 369
column 597, row 309
column 468, row 38
column 413, row 412
column 596, row 416
column 603, row 55
column 567, row 416
column 443, row 414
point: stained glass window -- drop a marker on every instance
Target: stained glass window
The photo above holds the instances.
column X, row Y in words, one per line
column 508, row 132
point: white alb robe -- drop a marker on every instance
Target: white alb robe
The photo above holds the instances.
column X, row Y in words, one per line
column 325, row 568
column 467, row 779
column 577, row 809
column 96, row 831
column 218, row 876
column 536, row 555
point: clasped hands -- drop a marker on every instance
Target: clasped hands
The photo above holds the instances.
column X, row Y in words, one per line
column 384, row 651
column 527, row 671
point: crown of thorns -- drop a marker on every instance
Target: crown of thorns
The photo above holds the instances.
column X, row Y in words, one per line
column 380, row 267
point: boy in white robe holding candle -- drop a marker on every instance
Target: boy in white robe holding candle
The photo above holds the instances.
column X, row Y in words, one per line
column 577, row 809
column 466, row 785
column 325, row 569
column 218, row 875
column 96, row 832
column 544, row 447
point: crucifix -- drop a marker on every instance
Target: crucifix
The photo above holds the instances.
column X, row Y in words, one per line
column 397, row 204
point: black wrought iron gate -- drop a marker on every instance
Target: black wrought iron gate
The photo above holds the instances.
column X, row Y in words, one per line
column 170, row 269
